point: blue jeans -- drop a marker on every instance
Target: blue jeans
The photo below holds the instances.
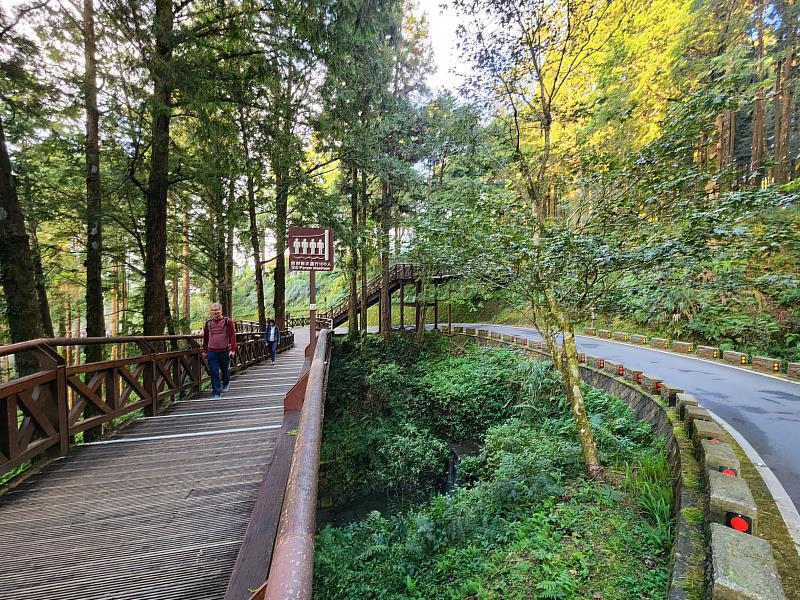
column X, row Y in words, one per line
column 218, row 361
column 273, row 346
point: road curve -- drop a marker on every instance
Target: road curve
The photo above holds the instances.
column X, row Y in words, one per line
column 764, row 409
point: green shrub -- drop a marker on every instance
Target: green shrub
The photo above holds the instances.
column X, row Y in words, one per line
column 524, row 522
column 410, row 459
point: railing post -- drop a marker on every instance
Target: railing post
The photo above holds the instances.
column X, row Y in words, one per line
column 112, row 388
column 150, row 378
column 196, row 362
column 417, row 299
column 56, row 407
column 449, row 316
column 402, row 304
column 435, row 307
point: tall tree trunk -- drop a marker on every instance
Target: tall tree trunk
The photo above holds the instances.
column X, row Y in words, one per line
column 16, row 265
column 186, row 308
column 115, row 306
column 219, row 258
column 38, row 269
column 541, row 177
column 565, row 358
column 156, row 217
column 783, row 155
column 255, row 240
column 168, row 314
column 783, row 120
column 352, row 270
column 256, row 245
column 41, row 287
column 68, row 330
column 125, row 299
column 363, row 240
column 726, row 130
column 115, row 298
column 124, row 302
column 386, row 221
column 95, row 319
column 175, row 298
column 229, row 232
column 281, row 212
column 758, row 143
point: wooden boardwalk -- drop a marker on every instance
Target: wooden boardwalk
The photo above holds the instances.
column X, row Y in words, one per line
column 159, row 509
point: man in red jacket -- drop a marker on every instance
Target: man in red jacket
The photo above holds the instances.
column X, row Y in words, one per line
column 219, row 344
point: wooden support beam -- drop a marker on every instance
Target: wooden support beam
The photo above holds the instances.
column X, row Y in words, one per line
column 402, row 304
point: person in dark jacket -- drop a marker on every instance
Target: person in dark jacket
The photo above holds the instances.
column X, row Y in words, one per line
column 219, row 345
column 272, row 336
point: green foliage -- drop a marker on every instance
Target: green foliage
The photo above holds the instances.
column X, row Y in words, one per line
column 648, row 480
column 524, row 523
column 408, row 457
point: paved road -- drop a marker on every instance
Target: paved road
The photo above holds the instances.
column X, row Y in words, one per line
column 763, row 409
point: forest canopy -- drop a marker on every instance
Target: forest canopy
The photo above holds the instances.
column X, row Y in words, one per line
column 630, row 160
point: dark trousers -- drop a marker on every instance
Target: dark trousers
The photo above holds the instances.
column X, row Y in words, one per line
column 273, row 347
column 218, row 361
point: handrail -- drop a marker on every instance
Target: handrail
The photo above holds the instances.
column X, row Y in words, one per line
column 41, row 413
column 290, row 572
column 93, row 341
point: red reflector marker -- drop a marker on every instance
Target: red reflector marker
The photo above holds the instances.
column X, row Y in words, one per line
column 658, row 386
column 728, row 471
column 639, row 378
column 714, row 441
column 621, row 370
column 602, row 363
column 739, row 522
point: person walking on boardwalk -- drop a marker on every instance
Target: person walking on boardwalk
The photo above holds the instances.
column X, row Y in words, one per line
column 272, row 336
column 219, row 345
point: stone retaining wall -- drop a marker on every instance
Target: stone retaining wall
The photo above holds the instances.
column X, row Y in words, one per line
column 767, row 364
column 662, row 343
column 684, row 347
column 737, row 564
column 735, row 358
column 708, row 352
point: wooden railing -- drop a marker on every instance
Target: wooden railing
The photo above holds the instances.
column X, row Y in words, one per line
column 298, row 322
column 290, row 569
column 42, row 412
column 248, row 327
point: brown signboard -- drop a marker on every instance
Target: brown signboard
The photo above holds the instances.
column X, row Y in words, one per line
column 310, row 249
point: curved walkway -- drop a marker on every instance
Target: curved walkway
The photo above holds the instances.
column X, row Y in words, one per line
column 764, row 409
column 157, row 510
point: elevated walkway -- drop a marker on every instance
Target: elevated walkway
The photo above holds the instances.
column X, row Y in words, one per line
column 159, row 509
column 400, row 275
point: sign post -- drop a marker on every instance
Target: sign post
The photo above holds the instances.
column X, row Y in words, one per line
column 311, row 249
